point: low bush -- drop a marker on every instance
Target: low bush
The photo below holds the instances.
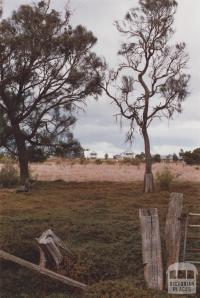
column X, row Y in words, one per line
column 36, row 154
column 164, row 179
column 157, row 158
column 98, row 161
column 110, row 161
column 8, row 175
column 131, row 161
column 4, row 159
column 83, row 161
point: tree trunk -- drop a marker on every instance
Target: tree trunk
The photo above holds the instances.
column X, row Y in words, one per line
column 148, row 177
column 23, row 159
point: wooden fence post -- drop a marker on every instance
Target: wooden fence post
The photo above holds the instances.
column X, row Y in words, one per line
column 173, row 228
column 151, row 248
column 49, row 245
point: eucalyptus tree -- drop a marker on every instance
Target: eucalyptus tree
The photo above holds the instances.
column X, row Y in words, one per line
column 47, row 70
column 151, row 80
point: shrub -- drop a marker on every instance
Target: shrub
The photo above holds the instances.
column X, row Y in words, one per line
column 140, row 156
column 98, row 161
column 110, row 161
column 106, row 156
column 83, row 161
column 36, row 154
column 157, row 158
column 4, row 159
column 175, row 157
column 164, row 179
column 191, row 158
column 131, row 161
column 8, row 175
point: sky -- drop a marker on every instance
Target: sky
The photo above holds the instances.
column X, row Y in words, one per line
column 96, row 127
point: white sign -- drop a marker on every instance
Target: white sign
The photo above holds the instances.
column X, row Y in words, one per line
column 181, row 278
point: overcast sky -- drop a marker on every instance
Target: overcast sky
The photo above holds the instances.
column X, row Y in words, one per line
column 97, row 128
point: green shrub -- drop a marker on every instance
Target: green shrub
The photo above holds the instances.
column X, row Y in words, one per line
column 8, row 175
column 164, row 179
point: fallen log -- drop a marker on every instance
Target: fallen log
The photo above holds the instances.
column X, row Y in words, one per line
column 63, row 279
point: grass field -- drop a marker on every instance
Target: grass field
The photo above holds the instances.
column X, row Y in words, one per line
column 108, row 170
column 98, row 221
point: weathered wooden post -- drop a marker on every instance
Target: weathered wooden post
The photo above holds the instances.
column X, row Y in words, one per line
column 49, row 245
column 173, row 228
column 151, row 248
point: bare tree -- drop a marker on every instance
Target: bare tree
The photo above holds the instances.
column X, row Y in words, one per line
column 150, row 81
column 47, row 70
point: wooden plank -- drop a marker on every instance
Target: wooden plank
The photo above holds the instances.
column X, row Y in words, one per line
column 151, row 248
column 43, row 259
column 194, row 214
column 49, row 245
column 192, row 262
column 50, row 234
column 173, row 228
column 63, row 279
column 185, row 238
column 193, row 250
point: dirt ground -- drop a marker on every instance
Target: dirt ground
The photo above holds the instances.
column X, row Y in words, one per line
column 62, row 170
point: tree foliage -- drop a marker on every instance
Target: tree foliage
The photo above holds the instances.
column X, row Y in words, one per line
column 47, row 72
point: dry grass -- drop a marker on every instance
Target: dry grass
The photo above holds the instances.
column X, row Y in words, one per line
column 74, row 171
column 99, row 221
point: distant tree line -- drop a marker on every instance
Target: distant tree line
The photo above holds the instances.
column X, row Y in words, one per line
column 191, row 157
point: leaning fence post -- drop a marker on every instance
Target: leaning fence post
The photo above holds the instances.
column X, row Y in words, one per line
column 173, row 228
column 151, row 248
